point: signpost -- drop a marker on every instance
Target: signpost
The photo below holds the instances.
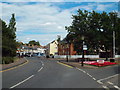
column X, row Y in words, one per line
column 84, row 48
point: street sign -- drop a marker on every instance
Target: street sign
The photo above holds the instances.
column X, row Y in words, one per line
column 84, row 47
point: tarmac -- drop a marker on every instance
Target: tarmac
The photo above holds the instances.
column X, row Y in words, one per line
column 71, row 62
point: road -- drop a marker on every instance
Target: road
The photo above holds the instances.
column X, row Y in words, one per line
column 42, row 73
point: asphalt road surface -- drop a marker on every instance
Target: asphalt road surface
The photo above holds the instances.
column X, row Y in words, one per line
column 42, row 73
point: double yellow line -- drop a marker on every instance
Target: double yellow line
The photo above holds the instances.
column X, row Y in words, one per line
column 65, row 64
column 15, row 67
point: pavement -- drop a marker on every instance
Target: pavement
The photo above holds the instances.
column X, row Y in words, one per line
column 74, row 63
column 78, row 65
column 11, row 65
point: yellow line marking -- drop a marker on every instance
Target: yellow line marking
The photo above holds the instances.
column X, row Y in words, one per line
column 65, row 65
column 15, row 67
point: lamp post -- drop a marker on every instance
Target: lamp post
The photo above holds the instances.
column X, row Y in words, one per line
column 67, row 53
column 82, row 64
column 114, row 44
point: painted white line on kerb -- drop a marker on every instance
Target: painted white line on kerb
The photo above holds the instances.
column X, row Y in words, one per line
column 108, row 77
column 40, row 69
column 22, row 82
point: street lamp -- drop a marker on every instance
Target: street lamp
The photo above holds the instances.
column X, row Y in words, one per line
column 67, row 52
column 82, row 64
column 114, row 44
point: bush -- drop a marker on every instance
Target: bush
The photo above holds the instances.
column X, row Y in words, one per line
column 7, row 60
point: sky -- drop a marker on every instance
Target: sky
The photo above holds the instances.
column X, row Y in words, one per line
column 43, row 21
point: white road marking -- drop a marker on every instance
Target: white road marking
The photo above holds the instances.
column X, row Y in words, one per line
column 117, row 87
column 22, row 82
column 81, row 70
column 108, row 77
column 40, row 69
column 105, row 87
column 99, row 82
column 89, row 75
column 113, row 85
column 94, row 78
column 42, row 63
column 110, row 83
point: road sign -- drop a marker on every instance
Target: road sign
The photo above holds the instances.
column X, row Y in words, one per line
column 84, row 47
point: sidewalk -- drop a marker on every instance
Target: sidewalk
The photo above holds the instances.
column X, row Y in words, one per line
column 74, row 63
column 16, row 63
column 78, row 65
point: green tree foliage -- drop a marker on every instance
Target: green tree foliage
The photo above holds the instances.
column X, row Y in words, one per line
column 97, row 28
column 33, row 42
column 9, row 38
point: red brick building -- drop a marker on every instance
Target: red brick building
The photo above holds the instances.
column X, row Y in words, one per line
column 66, row 49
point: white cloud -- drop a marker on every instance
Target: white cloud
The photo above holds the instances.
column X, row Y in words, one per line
column 42, row 19
column 37, row 18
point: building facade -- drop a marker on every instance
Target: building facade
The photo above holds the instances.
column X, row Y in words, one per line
column 52, row 48
column 34, row 49
column 66, row 49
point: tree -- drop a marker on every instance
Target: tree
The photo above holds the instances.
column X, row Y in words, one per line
column 33, row 42
column 9, row 39
column 97, row 28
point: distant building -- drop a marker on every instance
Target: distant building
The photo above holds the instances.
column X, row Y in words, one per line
column 66, row 49
column 34, row 49
column 52, row 48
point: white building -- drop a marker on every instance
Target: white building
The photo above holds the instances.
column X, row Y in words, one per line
column 52, row 48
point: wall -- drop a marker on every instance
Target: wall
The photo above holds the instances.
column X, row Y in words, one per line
column 80, row 56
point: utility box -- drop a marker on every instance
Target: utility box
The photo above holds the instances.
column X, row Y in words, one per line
column 104, row 54
column 112, row 60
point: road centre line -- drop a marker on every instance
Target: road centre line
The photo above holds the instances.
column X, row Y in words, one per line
column 21, row 82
